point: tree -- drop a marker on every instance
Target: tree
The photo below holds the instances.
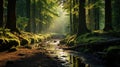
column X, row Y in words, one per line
column 116, row 15
column 20, row 10
column 108, row 15
column 28, row 15
column 1, row 13
column 11, row 16
column 34, row 16
column 71, row 18
column 82, row 28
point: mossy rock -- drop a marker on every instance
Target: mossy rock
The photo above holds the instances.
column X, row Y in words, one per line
column 6, row 44
column 24, row 42
column 14, row 42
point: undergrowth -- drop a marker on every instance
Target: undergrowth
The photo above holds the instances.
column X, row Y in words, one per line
column 9, row 40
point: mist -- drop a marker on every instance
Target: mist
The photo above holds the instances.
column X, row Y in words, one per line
column 60, row 24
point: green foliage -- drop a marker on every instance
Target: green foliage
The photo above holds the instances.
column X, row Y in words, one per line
column 85, row 38
column 22, row 22
column 9, row 40
column 69, row 40
column 7, row 43
column 89, row 38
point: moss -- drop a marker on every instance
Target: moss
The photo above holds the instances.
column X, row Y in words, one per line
column 13, row 42
column 9, row 40
column 24, row 41
column 70, row 40
column 90, row 38
column 7, row 43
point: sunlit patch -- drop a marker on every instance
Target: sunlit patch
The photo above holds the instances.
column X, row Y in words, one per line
column 60, row 24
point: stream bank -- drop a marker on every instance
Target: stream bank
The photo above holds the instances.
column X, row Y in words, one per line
column 70, row 58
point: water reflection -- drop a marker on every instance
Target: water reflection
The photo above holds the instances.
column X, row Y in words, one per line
column 66, row 58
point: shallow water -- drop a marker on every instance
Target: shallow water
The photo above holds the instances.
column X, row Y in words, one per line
column 70, row 58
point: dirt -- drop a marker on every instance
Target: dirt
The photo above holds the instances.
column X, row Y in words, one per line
column 25, row 57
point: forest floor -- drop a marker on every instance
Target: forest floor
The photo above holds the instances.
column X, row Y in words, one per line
column 25, row 57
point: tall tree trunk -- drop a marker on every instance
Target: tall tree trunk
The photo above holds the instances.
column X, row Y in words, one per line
column 116, row 13
column 75, row 17
column 11, row 16
column 71, row 22
column 82, row 18
column 1, row 13
column 40, row 17
column 96, row 13
column 28, row 15
column 34, row 16
column 108, row 16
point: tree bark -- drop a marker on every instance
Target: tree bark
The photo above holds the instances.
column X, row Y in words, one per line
column 116, row 13
column 28, row 15
column 82, row 18
column 34, row 16
column 71, row 22
column 97, row 18
column 108, row 15
column 11, row 16
column 1, row 13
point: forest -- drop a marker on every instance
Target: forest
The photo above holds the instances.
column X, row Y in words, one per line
column 42, row 33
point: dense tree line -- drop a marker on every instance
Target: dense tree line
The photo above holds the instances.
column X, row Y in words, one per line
column 92, row 15
column 36, row 15
column 27, row 15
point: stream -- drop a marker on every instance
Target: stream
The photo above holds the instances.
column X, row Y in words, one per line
column 69, row 58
